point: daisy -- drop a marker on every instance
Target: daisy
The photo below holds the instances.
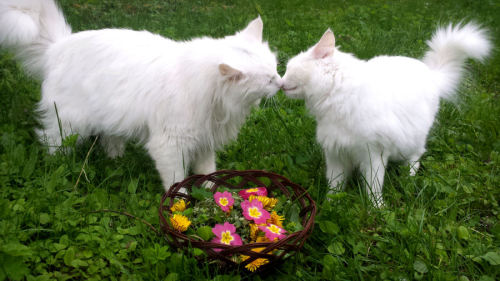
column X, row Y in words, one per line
column 225, row 200
column 254, row 211
column 245, row 193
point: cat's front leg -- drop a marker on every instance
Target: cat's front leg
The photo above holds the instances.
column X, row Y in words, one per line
column 171, row 156
column 414, row 162
column 204, row 163
column 373, row 170
column 337, row 170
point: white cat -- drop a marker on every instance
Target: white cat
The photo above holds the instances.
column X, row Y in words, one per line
column 369, row 112
column 183, row 100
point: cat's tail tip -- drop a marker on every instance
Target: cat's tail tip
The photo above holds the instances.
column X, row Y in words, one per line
column 17, row 27
column 28, row 27
column 458, row 42
column 450, row 47
column 22, row 22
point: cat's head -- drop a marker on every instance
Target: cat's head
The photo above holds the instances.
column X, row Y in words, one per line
column 311, row 71
column 248, row 70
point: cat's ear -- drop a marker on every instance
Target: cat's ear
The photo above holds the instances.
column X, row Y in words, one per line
column 325, row 46
column 230, row 72
column 253, row 30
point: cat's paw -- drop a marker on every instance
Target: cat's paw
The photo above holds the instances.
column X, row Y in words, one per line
column 208, row 185
column 115, row 152
column 113, row 146
column 183, row 191
column 378, row 201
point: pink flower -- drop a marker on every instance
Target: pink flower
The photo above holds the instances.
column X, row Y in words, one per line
column 226, row 234
column 254, row 211
column 259, row 191
column 225, row 200
column 273, row 231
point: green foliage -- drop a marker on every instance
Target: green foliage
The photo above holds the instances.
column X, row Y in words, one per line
column 442, row 224
column 205, row 232
column 200, row 193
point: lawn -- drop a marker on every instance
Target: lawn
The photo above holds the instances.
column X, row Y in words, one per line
column 442, row 224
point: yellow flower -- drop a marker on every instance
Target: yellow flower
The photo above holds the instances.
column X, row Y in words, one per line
column 257, row 262
column 267, row 202
column 178, row 206
column 254, row 230
column 180, row 222
column 276, row 219
column 261, row 239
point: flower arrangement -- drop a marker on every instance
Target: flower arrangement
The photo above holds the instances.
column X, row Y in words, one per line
column 236, row 223
column 237, row 218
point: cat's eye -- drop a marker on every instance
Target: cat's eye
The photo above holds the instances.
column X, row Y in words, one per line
column 271, row 80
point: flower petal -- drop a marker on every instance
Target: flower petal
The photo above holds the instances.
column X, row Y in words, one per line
column 251, row 209
column 245, row 193
column 230, row 227
column 237, row 240
column 273, row 231
column 217, row 230
column 217, row 195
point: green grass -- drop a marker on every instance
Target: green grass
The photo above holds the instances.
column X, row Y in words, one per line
column 443, row 224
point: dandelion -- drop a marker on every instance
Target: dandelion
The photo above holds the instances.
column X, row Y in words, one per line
column 267, row 202
column 254, row 211
column 245, row 193
column 178, row 206
column 276, row 219
column 254, row 230
column 262, row 239
column 273, row 231
column 254, row 265
column 180, row 222
column 225, row 200
column 226, row 234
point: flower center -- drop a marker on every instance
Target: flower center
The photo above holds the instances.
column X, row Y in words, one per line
column 254, row 212
column 223, row 201
column 252, row 190
column 274, row 229
column 226, row 237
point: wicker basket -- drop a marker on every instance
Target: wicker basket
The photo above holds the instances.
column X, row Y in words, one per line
column 273, row 251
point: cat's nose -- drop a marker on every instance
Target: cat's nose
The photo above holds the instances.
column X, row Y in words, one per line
column 280, row 83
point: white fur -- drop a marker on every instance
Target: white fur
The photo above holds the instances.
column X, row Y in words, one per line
column 370, row 112
column 183, row 100
column 29, row 27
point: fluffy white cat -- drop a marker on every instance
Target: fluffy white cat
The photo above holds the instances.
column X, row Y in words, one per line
column 183, row 100
column 369, row 112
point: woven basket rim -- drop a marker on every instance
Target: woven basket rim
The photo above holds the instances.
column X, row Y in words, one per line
column 293, row 242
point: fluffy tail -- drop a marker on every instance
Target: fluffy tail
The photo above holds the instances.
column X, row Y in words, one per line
column 29, row 27
column 449, row 48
